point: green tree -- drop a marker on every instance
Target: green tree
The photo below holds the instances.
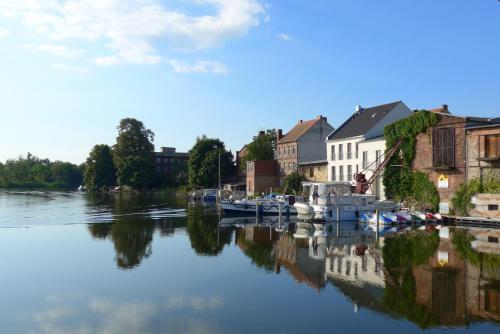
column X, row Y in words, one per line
column 293, row 182
column 133, row 154
column 203, row 162
column 261, row 148
column 100, row 170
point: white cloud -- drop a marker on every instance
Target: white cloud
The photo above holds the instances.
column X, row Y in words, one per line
column 60, row 50
column 130, row 27
column 284, row 37
column 108, row 61
column 4, row 33
column 195, row 303
column 202, row 66
column 69, row 68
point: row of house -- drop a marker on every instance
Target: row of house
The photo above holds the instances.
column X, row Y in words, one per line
column 451, row 152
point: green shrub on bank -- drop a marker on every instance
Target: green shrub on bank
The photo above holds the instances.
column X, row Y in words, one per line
column 461, row 200
column 400, row 182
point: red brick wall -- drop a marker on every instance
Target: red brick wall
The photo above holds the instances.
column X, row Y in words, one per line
column 423, row 158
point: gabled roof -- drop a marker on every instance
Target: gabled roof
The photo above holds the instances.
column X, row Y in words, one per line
column 299, row 129
column 361, row 122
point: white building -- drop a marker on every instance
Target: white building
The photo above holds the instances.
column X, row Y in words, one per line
column 357, row 145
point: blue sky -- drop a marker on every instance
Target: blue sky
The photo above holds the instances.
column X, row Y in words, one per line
column 71, row 69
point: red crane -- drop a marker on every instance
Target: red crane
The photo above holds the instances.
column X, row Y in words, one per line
column 362, row 184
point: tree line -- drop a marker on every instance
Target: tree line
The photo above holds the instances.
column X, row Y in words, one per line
column 130, row 162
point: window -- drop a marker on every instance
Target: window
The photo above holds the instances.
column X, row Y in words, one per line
column 356, row 152
column 378, row 154
column 341, row 173
column 293, row 150
column 334, row 176
column 341, row 152
column 311, row 172
column 492, row 207
column 349, row 153
column 443, row 147
column 492, row 146
column 357, row 168
column 289, row 166
column 332, row 153
column 365, row 160
column 349, row 173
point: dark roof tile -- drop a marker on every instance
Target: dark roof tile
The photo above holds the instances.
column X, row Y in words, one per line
column 361, row 122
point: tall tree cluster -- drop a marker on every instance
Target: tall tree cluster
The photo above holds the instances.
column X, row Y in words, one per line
column 130, row 162
column 203, row 162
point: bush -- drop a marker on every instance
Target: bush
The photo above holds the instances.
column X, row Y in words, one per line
column 461, row 200
column 293, row 182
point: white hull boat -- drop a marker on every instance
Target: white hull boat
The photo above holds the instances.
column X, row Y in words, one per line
column 258, row 207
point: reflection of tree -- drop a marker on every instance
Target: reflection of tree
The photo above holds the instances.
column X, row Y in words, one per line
column 132, row 242
column 99, row 230
column 205, row 236
column 257, row 243
column 401, row 253
column 462, row 241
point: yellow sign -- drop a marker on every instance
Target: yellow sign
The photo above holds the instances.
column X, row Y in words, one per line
column 443, row 181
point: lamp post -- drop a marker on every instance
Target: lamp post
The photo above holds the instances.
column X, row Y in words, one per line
column 217, row 148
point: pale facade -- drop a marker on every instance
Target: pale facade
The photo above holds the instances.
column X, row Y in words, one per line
column 358, row 145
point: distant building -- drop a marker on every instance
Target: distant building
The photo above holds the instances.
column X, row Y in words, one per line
column 303, row 146
column 358, row 144
column 168, row 159
column 261, row 177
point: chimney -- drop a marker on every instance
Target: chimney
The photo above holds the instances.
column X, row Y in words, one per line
column 300, row 121
column 261, row 133
column 445, row 109
column 358, row 108
column 279, row 135
column 321, row 117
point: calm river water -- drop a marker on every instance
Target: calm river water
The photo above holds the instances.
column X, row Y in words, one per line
column 76, row 263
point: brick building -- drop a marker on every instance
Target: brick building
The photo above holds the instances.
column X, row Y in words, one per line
column 305, row 144
column 168, row 159
column 261, row 177
column 483, row 150
column 441, row 153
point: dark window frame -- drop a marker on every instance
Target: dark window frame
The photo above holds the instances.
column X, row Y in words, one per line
column 443, row 147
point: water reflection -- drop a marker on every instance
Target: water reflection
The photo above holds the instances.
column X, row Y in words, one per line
column 214, row 271
column 434, row 278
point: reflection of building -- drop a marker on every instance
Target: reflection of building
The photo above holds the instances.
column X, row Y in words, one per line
column 440, row 285
column 483, row 279
column 293, row 255
column 355, row 264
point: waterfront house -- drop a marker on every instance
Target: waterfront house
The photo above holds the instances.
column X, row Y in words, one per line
column 303, row 146
column 168, row 160
column 441, row 153
column 358, row 144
